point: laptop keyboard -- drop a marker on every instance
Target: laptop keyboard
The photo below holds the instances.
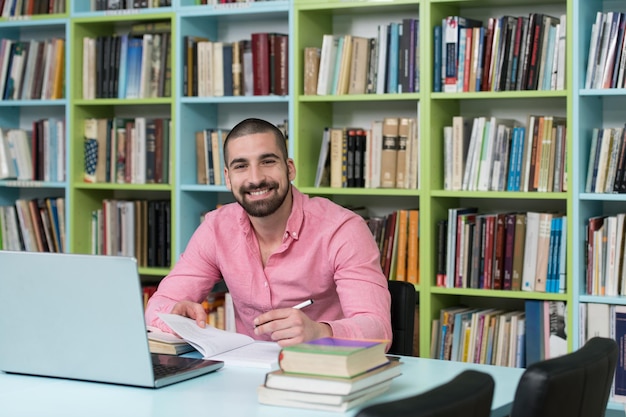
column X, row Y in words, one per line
column 161, row 371
column 168, row 365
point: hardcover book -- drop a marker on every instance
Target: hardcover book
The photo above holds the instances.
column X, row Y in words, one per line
column 332, row 356
column 325, row 402
column 282, row 380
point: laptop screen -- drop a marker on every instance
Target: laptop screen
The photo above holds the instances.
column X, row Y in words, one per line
column 73, row 316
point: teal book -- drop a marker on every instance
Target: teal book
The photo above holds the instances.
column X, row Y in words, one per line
column 123, row 69
column 393, row 52
column 332, row 356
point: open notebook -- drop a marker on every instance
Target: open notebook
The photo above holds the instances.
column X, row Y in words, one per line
column 81, row 317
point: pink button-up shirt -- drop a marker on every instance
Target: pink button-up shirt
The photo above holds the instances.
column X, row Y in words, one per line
column 327, row 254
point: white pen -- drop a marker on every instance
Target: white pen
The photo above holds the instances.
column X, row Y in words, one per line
column 303, row 304
column 297, row 307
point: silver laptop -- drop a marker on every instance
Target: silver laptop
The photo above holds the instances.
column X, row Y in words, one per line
column 81, row 317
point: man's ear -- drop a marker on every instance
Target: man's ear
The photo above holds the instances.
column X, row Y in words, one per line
column 291, row 169
column 227, row 178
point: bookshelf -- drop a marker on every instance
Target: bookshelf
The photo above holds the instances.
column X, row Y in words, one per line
column 23, row 111
column 592, row 108
column 306, row 21
column 436, row 110
column 85, row 198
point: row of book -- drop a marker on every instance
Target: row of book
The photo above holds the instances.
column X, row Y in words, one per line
column 98, row 5
column 329, row 374
column 397, row 237
column 502, row 251
column 32, row 69
column 14, row 8
column 603, row 320
column 494, row 154
column 351, row 64
column 127, row 151
column 34, row 225
column 128, row 65
column 511, row 53
column 606, row 171
column 257, row 66
column 37, row 155
column 210, row 154
column 607, row 51
column 606, row 255
column 384, row 156
column 494, row 336
column 138, row 228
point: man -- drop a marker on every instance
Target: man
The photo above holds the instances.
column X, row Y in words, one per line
column 275, row 247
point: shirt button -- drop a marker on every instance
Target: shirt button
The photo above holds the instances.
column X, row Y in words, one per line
column 294, row 234
column 265, row 284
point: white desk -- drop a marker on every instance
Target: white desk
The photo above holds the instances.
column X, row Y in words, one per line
column 230, row 391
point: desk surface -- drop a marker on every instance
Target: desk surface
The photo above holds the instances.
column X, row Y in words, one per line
column 229, row 391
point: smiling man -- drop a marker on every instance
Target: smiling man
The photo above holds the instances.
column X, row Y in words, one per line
column 276, row 247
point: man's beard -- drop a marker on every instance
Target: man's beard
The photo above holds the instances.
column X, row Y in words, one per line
column 265, row 207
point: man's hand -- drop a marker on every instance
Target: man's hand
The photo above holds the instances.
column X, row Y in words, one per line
column 192, row 310
column 289, row 326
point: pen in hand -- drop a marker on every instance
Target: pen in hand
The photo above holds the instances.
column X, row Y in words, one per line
column 303, row 304
column 297, row 307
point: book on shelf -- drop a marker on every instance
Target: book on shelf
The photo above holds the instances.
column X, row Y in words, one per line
column 412, row 268
column 389, row 153
column 312, row 57
column 279, row 64
column 557, row 337
column 260, row 43
column 393, row 52
column 166, row 343
column 237, row 68
column 234, row 349
column 357, row 77
column 382, row 58
column 327, row 63
column 322, row 175
column 619, row 330
column 332, row 356
column 338, row 169
column 536, row 318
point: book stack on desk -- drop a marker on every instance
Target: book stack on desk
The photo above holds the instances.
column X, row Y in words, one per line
column 166, row 343
column 329, row 374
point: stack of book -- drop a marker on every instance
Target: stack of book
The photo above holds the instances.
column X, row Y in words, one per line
column 166, row 343
column 330, row 374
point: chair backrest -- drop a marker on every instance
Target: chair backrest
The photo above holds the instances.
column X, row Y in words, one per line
column 469, row 394
column 403, row 299
column 574, row 385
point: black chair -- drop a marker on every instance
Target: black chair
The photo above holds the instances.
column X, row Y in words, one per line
column 467, row 395
column 577, row 384
column 403, row 299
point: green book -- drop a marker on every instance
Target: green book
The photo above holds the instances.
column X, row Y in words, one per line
column 333, row 356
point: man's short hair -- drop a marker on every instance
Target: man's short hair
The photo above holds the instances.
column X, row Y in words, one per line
column 251, row 126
